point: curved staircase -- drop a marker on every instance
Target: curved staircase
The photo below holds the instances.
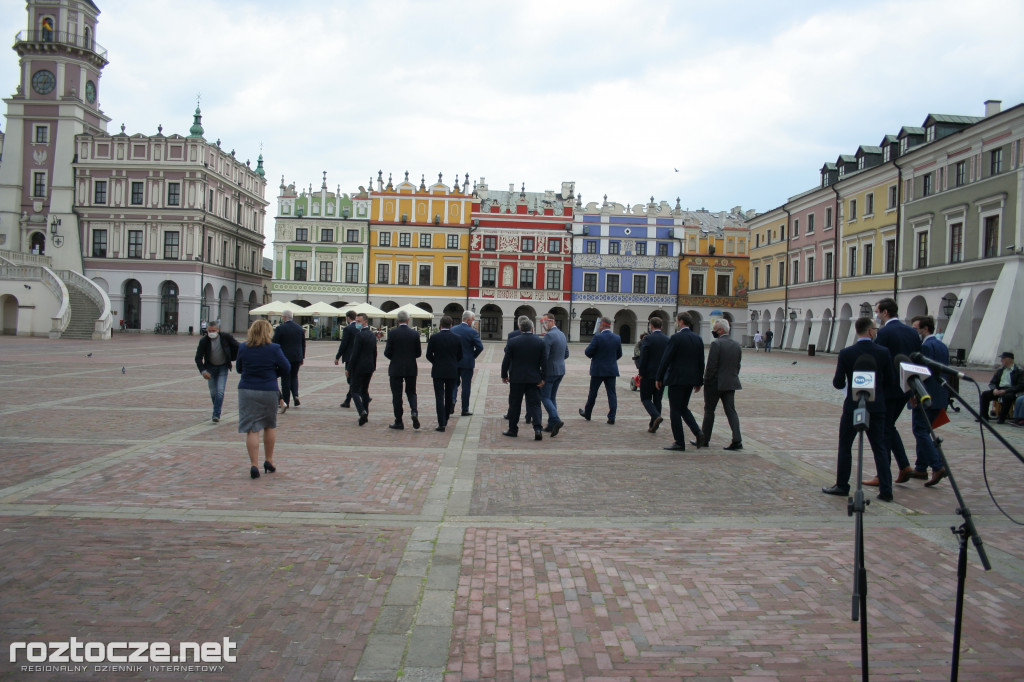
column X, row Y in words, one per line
column 83, row 315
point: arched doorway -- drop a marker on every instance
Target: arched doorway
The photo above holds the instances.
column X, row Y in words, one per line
column 132, row 293
column 388, row 306
column 454, row 311
column 625, row 325
column 9, row 314
column 843, row 328
column 980, row 307
column 490, row 321
column 918, row 306
column 588, row 323
column 169, row 304
column 666, row 320
column 561, row 318
column 240, row 312
column 826, row 326
column 806, row 336
column 425, row 306
column 526, row 310
column 37, row 242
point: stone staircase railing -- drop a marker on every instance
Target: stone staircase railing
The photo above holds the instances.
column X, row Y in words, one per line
column 105, row 321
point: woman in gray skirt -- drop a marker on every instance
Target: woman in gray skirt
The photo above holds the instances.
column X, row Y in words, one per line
column 259, row 363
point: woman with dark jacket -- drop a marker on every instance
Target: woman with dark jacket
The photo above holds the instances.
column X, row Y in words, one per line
column 260, row 362
column 216, row 351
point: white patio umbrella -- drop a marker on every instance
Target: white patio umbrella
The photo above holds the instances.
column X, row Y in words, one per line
column 414, row 311
column 366, row 309
column 321, row 309
column 273, row 308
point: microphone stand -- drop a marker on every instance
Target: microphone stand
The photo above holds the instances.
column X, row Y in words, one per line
column 965, row 531
column 856, row 505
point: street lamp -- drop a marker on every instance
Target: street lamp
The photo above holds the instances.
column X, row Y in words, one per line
column 950, row 303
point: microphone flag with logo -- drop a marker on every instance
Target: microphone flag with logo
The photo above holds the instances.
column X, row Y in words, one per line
column 863, row 379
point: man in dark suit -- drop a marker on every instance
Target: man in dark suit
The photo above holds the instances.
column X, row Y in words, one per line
column 472, row 347
column 651, row 352
column 1003, row 387
column 345, row 351
column 292, row 339
column 444, row 352
column 523, row 368
column 927, row 453
column 843, row 378
column 402, row 348
column 604, row 351
column 897, row 338
column 558, row 352
column 721, row 381
column 362, row 363
column 682, row 371
column 511, row 335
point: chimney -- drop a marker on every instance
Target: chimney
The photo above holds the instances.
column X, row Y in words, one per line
column 992, row 107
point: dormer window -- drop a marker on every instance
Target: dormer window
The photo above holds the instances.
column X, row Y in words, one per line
column 886, row 153
column 930, row 134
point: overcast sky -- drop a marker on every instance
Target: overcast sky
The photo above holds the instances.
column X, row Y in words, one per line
column 746, row 99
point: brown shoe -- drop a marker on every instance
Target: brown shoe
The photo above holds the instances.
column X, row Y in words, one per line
column 905, row 475
column 936, row 477
column 873, row 482
column 919, row 474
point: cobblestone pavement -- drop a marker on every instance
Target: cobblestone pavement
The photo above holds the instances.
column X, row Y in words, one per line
column 375, row 554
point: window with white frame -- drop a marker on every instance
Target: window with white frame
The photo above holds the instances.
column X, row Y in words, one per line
column 956, row 242
column 995, row 165
column 383, row 273
column 892, row 196
column 990, row 236
column 809, row 269
column 661, row 284
column 42, row 135
column 869, row 250
column 554, row 276
column 757, row 277
column 425, row 240
column 403, row 273
column 405, row 239
column 326, row 271
column 451, row 276
column 869, row 204
column 424, row 278
column 488, row 277
column 828, row 218
column 921, row 237
column 639, row 284
column 613, row 247
column 794, row 271
column 829, row 259
column 782, row 273
column 384, row 239
column 768, row 275
column 352, row 273
column 526, row 278
column 299, row 270
column 590, row 281
column 172, row 244
column 852, row 261
column 723, row 285
column 453, row 241
column 890, row 255
column 961, row 173
column 810, row 223
column 39, row 184
column 696, row 283
column 173, row 193
column 796, row 227
column 327, row 234
column 853, row 209
column 100, row 192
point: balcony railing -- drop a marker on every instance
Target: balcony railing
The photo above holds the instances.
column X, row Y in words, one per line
column 61, row 38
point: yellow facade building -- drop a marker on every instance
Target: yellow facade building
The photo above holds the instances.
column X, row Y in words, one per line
column 419, row 241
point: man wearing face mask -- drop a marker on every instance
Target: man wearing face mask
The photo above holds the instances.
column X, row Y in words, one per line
column 216, row 351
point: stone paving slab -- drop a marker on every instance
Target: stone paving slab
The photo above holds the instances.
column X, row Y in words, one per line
column 381, row 555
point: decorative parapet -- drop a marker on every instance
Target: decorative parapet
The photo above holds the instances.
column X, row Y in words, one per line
column 625, row 262
column 626, row 298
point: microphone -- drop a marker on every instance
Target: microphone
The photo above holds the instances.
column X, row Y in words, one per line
column 921, row 359
column 862, row 382
column 910, row 379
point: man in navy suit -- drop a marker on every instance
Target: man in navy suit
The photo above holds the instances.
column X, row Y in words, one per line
column 558, row 352
column 523, row 369
column 402, row 348
column 897, row 338
column 362, row 363
column 682, row 371
column 345, row 351
column 884, row 380
column 651, row 352
column 472, row 346
column 292, row 339
column 444, row 352
column 604, row 351
column 927, row 453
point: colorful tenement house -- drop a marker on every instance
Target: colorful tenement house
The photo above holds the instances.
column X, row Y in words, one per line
column 631, row 264
column 520, row 256
column 419, row 245
column 321, row 249
column 929, row 217
column 143, row 229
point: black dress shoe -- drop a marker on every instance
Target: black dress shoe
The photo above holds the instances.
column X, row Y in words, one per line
column 611, row 421
column 547, row 429
column 397, row 425
column 835, row 490
column 697, row 444
column 556, row 427
column 467, row 413
column 505, row 416
column 582, row 414
column 538, row 434
column 675, row 446
column 733, row 446
column 347, row 403
column 510, row 434
column 439, row 428
column 655, row 424
column 885, row 497
column 363, row 418
column 296, row 401
column 415, row 421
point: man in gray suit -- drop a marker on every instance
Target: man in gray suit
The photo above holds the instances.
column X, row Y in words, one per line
column 721, row 381
column 558, row 351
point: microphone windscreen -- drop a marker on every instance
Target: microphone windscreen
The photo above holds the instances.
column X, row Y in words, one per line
column 901, row 358
column 865, row 363
column 918, row 357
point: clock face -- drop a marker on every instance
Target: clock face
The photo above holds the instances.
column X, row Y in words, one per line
column 43, row 82
column 90, row 92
